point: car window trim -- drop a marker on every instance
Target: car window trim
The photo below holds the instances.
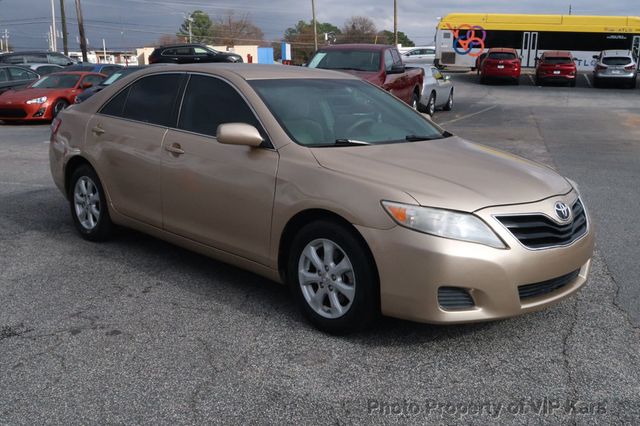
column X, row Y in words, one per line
column 268, row 141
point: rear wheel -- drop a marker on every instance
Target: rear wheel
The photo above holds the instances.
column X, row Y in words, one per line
column 89, row 205
column 596, row 82
column 431, row 104
column 632, row 84
column 516, row 81
column 573, row 83
column 415, row 101
column 333, row 278
column 449, row 105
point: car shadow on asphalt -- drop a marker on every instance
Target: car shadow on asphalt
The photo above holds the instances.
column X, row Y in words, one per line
column 238, row 289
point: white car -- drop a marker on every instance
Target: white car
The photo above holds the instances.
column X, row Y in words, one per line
column 422, row 55
column 437, row 91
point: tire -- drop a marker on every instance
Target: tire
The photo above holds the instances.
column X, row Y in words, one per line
column 335, row 311
column 538, row 82
column 57, row 108
column 449, row 105
column 88, row 205
column 415, row 101
column 483, row 80
column 596, row 82
column 573, row 83
column 632, row 84
column 430, row 108
column 516, row 81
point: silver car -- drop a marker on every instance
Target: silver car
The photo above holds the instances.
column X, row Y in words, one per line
column 419, row 55
column 437, row 91
column 615, row 66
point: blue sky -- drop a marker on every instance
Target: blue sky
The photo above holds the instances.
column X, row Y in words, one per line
column 134, row 23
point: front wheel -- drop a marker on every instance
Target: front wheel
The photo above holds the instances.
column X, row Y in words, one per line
column 89, row 205
column 60, row 105
column 449, row 105
column 333, row 278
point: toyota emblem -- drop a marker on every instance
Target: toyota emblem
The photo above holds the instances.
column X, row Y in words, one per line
column 562, row 210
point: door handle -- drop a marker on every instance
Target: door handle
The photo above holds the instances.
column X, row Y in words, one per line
column 98, row 131
column 175, row 149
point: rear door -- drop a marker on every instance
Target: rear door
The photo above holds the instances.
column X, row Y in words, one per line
column 21, row 77
column 125, row 137
column 219, row 195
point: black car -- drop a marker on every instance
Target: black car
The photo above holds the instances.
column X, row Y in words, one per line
column 13, row 77
column 35, row 57
column 117, row 75
column 190, row 54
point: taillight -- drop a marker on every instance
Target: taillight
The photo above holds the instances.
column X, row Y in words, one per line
column 601, row 67
column 55, row 126
column 631, row 67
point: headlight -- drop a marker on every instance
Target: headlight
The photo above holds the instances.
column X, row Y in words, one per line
column 37, row 100
column 443, row 223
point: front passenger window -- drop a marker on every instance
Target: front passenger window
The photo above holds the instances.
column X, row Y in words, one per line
column 209, row 102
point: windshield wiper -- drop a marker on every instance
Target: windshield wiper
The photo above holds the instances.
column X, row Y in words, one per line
column 417, row 138
column 350, row 142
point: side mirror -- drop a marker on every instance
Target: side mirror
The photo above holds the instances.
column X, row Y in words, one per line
column 595, row 56
column 86, row 85
column 239, row 134
column 397, row 69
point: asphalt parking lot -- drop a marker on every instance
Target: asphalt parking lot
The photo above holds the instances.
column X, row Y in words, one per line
column 139, row 331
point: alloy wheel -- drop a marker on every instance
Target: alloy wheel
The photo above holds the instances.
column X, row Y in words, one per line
column 86, row 199
column 326, row 278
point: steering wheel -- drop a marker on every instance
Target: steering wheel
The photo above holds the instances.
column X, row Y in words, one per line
column 360, row 123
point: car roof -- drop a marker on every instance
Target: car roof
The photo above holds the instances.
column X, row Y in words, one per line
column 24, row 66
column 43, row 64
column 357, row 46
column 557, row 54
column 166, row 46
column 81, row 73
column 252, row 71
column 616, row 53
column 502, row 50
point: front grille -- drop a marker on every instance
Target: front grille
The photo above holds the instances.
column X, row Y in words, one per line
column 539, row 231
column 12, row 113
column 538, row 289
column 451, row 298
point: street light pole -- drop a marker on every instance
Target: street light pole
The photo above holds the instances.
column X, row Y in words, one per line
column 315, row 26
column 54, row 46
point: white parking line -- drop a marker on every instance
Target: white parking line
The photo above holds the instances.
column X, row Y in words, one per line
column 35, row 185
column 532, row 80
column 469, row 115
column 586, row 77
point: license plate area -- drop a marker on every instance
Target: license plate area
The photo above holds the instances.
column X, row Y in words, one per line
column 500, row 67
column 556, row 72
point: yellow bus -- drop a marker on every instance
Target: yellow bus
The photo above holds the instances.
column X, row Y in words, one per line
column 462, row 37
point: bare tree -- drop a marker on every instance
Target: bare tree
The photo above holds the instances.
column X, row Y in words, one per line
column 358, row 29
column 230, row 31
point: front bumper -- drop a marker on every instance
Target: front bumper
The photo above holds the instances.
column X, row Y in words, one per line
column 26, row 112
column 412, row 266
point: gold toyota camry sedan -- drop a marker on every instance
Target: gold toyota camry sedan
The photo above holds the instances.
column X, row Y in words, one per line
column 324, row 182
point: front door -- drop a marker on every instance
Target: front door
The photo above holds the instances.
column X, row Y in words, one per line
column 219, row 195
column 529, row 50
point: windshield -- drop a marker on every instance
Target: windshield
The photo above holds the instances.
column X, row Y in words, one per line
column 359, row 60
column 118, row 75
column 57, row 81
column 558, row 60
column 325, row 112
column 616, row 60
column 502, row 55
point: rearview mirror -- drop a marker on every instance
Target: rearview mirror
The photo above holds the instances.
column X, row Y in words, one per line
column 239, row 134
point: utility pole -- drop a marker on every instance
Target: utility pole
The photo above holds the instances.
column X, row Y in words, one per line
column 395, row 21
column 54, row 46
column 63, row 21
column 190, row 31
column 83, row 39
column 569, row 8
column 315, row 24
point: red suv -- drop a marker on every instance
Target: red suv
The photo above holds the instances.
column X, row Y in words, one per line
column 501, row 63
column 556, row 66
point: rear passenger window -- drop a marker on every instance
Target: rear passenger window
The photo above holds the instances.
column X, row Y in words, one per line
column 209, row 102
column 115, row 106
column 152, row 99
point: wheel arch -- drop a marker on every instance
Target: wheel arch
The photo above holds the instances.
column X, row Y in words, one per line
column 304, row 217
column 72, row 164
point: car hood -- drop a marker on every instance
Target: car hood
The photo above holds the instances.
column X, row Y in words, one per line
column 448, row 173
